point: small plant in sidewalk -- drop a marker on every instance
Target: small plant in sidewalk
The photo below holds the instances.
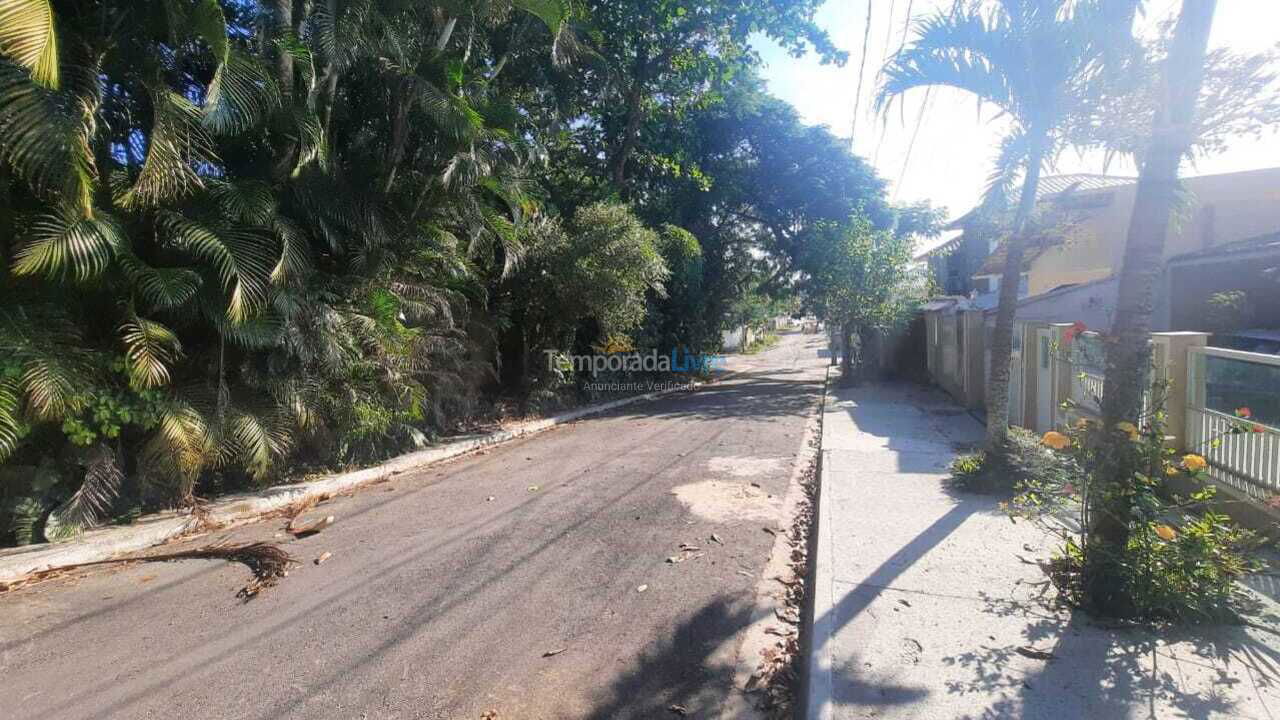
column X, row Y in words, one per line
column 1182, row 559
column 1024, row 461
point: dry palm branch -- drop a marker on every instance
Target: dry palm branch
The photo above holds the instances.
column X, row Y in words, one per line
column 267, row 561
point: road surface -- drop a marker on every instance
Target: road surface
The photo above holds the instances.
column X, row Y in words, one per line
column 447, row 586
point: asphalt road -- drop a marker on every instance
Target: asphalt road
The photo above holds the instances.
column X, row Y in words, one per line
column 447, row 586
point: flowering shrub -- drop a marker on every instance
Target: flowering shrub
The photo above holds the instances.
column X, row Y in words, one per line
column 1181, row 560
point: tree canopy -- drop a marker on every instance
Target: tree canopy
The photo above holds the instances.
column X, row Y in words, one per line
column 243, row 237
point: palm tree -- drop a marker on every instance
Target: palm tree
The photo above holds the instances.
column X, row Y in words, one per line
column 1025, row 57
column 213, row 252
column 1129, row 349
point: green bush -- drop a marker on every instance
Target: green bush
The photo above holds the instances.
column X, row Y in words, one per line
column 1182, row 559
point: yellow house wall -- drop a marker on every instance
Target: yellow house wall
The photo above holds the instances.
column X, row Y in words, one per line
column 1220, row 209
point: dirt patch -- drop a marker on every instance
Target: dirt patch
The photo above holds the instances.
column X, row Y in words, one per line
column 724, row 501
column 744, row 466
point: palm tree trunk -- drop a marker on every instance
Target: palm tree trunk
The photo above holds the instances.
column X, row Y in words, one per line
column 284, row 61
column 1002, row 336
column 1129, row 349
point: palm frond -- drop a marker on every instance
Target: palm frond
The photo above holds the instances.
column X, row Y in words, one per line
column 161, row 288
column 240, row 95
column 45, row 134
column 11, row 425
column 150, row 348
column 28, row 36
column 294, row 253
column 53, row 385
column 103, row 477
column 246, row 202
column 179, row 449
column 178, row 150
column 242, row 259
column 962, row 49
column 208, row 22
column 255, row 443
column 63, row 243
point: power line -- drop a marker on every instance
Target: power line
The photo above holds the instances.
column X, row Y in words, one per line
column 906, row 159
column 906, row 27
column 862, row 66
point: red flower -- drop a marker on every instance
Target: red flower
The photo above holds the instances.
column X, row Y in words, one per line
column 1076, row 328
column 1258, row 428
column 1244, row 412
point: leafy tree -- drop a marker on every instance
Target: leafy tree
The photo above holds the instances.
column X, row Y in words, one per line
column 665, row 57
column 584, row 282
column 857, row 279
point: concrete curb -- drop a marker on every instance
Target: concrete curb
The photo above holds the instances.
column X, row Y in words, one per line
column 106, row 543
column 818, row 693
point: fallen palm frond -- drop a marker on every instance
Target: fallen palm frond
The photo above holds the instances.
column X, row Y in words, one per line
column 268, row 563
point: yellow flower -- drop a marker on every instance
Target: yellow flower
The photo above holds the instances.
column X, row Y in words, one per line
column 1056, row 440
column 1129, row 428
column 1170, row 470
column 1194, row 462
column 1166, row 533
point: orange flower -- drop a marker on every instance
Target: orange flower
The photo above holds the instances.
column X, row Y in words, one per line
column 1128, row 427
column 1166, row 533
column 1244, row 412
column 1056, row 440
column 1194, row 462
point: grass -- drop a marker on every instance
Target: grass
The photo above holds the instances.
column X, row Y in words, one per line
column 761, row 343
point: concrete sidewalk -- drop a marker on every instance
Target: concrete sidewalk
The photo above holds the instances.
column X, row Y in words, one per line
column 929, row 602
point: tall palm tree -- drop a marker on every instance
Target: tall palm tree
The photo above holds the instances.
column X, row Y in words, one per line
column 1027, row 58
column 1129, row 349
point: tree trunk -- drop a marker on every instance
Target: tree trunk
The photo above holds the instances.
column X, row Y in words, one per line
column 631, row 127
column 629, row 131
column 1002, row 337
column 846, row 354
column 284, row 61
column 1129, row 344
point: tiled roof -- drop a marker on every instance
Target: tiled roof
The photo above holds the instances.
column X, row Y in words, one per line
column 1078, row 182
column 1053, row 185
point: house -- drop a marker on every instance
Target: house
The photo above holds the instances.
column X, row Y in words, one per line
column 1224, row 239
column 1220, row 210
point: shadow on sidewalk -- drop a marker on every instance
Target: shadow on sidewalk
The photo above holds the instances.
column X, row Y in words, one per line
column 847, row 686
column 1096, row 671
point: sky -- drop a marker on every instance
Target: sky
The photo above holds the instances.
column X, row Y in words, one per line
column 951, row 157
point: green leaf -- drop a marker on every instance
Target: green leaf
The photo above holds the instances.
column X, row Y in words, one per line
column 150, row 348
column 176, row 147
column 208, row 22
column 62, row 243
column 28, row 36
column 552, row 13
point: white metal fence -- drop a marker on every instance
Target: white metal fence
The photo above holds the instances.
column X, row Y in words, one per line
column 1220, row 383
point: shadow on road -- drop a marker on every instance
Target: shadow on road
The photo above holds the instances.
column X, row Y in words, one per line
column 689, row 668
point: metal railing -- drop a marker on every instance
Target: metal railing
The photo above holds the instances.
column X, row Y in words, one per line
column 1221, row 384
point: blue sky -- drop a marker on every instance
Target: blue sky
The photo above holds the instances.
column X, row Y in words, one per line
column 951, row 156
